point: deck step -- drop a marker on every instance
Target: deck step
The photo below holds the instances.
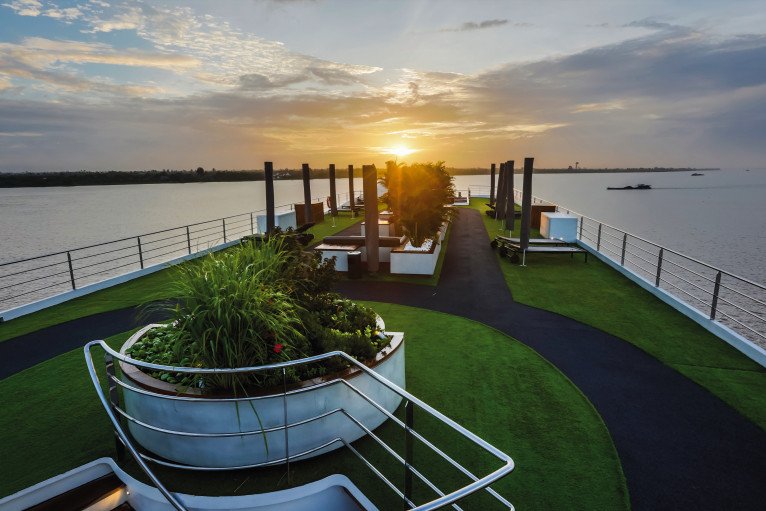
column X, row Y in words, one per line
column 83, row 496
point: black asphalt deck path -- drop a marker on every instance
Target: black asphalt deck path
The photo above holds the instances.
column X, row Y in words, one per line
column 681, row 448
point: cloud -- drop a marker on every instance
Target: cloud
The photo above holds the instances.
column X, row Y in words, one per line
column 68, row 14
column 652, row 23
column 19, row 134
column 472, row 25
column 40, row 60
column 25, row 7
column 607, row 106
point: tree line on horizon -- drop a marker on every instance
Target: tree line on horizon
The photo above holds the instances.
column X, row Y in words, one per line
column 200, row 175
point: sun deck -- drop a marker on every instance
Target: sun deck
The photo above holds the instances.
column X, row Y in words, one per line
column 620, row 402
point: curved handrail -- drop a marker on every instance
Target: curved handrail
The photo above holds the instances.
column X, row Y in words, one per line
column 442, row 501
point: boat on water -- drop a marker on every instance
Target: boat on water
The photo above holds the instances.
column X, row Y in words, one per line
column 629, row 187
column 698, row 174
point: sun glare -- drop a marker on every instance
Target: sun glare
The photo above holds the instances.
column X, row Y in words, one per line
column 400, row 151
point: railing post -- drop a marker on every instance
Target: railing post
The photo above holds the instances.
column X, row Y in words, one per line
column 716, row 290
column 224, row 229
column 624, row 242
column 582, row 221
column 287, row 436
column 409, row 419
column 659, row 268
column 71, row 270
column 114, row 401
column 252, row 227
column 140, row 252
column 188, row 239
column 598, row 240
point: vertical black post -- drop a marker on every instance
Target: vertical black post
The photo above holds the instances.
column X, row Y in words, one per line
column 114, row 401
column 500, row 204
column 582, row 221
column 188, row 239
column 268, row 171
column 333, row 193
column 510, row 205
column 140, row 252
column 492, row 184
column 717, row 289
column 598, row 239
column 409, row 422
column 308, row 216
column 624, row 242
column 526, row 203
column 71, row 270
column 371, row 233
column 659, row 268
column 252, row 225
column 223, row 223
column 351, row 201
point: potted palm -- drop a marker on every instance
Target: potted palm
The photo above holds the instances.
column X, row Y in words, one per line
column 254, row 305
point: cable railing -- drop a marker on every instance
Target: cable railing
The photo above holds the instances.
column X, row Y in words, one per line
column 36, row 278
column 404, row 461
column 736, row 302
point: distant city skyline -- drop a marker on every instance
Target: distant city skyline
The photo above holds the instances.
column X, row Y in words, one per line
column 99, row 85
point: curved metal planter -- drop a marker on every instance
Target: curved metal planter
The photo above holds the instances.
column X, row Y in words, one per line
column 225, row 432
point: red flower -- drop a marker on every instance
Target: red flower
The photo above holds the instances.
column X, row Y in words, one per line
column 278, row 348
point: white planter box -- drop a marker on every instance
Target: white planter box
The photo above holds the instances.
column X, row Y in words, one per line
column 281, row 220
column 410, row 262
column 159, row 405
column 558, row 226
column 383, row 228
column 339, row 252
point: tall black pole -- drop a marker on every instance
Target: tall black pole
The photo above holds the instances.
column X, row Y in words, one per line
column 492, row 184
column 333, row 195
column 308, row 216
column 510, row 207
column 526, row 203
column 500, row 204
column 268, row 170
column 371, row 233
column 351, row 190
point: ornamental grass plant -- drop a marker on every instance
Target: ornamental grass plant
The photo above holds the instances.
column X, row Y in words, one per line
column 253, row 305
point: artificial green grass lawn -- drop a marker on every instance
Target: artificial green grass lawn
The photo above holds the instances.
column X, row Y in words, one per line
column 595, row 294
column 486, row 381
column 141, row 290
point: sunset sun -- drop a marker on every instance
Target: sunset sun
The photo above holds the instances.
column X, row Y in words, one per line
column 401, row 151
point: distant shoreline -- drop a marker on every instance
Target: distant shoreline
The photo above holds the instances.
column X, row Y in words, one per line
column 83, row 178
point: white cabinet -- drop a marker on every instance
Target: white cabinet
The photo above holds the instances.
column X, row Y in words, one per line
column 559, row 226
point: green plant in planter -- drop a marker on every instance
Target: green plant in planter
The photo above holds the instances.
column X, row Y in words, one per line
column 416, row 197
column 254, row 305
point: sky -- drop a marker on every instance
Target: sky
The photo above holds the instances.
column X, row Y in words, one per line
column 117, row 85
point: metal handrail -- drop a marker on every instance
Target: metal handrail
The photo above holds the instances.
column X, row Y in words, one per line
column 685, row 256
column 443, row 500
column 598, row 235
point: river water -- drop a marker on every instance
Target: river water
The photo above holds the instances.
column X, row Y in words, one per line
column 718, row 218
